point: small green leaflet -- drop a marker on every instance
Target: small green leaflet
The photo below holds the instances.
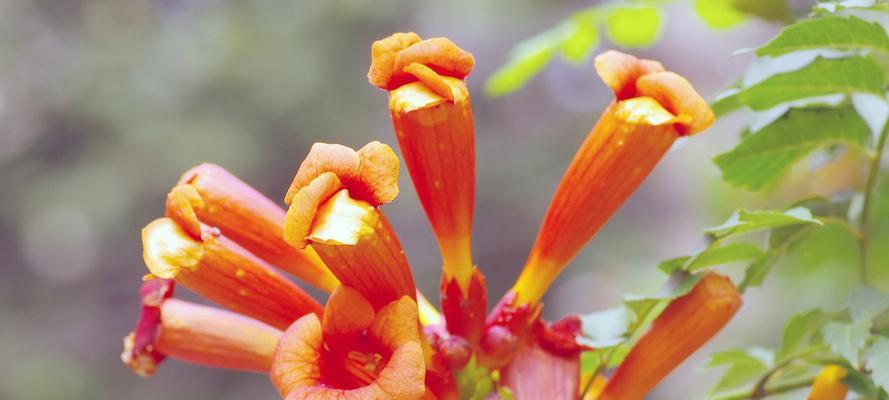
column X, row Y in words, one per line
column 761, row 157
column 716, row 254
column 847, row 339
column 525, row 61
column 799, row 332
column 771, row 10
column 744, row 221
column 842, row 33
column 583, row 39
column 867, row 302
column 634, row 26
column 822, row 77
column 878, row 362
column 741, row 366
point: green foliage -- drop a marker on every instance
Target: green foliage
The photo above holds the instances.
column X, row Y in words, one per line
column 627, row 24
column 742, row 366
column 763, row 155
column 832, row 32
column 822, row 77
column 634, row 26
column 745, row 221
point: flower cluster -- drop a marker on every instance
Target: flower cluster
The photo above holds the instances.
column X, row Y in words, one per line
column 377, row 337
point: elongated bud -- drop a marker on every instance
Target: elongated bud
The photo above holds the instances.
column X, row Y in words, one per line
column 683, row 327
column 829, row 384
column 197, row 334
column 651, row 110
column 211, row 195
column 334, row 203
column 227, row 274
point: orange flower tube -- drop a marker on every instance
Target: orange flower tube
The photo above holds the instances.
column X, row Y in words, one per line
column 353, row 353
column 211, row 195
column 683, row 327
column 652, row 109
column 432, row 116
column 334, row 203
column 829, row 384
column 227, row 274
column 197, row 334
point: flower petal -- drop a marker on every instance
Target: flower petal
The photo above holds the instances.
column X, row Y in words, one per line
column 342, row 161
column 304, row 205
column 383, row 53
column 535, row 373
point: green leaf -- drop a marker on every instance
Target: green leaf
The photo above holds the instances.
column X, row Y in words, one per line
column 673, row 264
column 878, row 362
column 756, row 273
column 770, row 10
column 744, row 221
column 843, row 33
column 719, row 13
column 526, row 60
column 605, row 328
column 726, row 102
column 867, row 302
column 742, row 367
column 800, row 330
column 761, row 157
column 634, row 26
column 822, row 77
column 583, row 39
column 847, row 339
column 716, row 255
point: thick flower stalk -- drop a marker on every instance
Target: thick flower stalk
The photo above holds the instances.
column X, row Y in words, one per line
column 829, row 385
column 195, row 333
column 432, row 116
column 681, row 329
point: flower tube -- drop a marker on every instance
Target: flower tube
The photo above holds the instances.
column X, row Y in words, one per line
column 651, row 110
column 680, row 330
column 334, row 202
column 353, row 353
column 195, row 333
column 211, row 195
column 224, row 272
column 432, row 117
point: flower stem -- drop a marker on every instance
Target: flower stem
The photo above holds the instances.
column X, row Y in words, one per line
column 868, row 198
column 782, row 387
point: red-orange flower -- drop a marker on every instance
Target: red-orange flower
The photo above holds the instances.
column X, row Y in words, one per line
column 651, row 110
column 333, row 205
column 353, row 353
column 432, row 116
column 684, row 326
column 195, row 333
column 211, row 195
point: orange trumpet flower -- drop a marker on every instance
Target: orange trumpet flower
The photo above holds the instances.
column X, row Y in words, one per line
column 224, row 272
column 829, row 384
column 651, row 110
column 684, row 326
column 198, row 334
column 211, row 195
column 432, row 116
column 353, row 353
column 333, row 205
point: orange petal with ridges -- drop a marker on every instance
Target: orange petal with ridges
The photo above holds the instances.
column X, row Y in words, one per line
column 378, row 170
column 682, row 328
column 322, row 158
column 346, row 312
column 620, row 71
column 298, row 355
column 679, row 97
column 245, row 216
column 304, row 205
column 440, row 54
column 396, row 324
column 225, row 273
column 383, row 53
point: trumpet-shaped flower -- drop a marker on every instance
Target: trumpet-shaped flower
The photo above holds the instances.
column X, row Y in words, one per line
column 377, row 337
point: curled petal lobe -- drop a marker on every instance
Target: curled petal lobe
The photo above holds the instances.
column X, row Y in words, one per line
column 390, row 57
column 378, row 170
column 620, row 71
column 340, row 160
column 829, row 384
column 346, row 313
column 681, row 329
column 383, row 53
column 678, row 96
column 304, row 205
column 211, row 196
column 225, row 273
column 298, row 355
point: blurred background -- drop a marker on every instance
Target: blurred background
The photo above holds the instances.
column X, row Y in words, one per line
column 103, row 104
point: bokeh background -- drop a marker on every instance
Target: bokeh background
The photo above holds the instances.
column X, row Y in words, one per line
column 103, row 104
